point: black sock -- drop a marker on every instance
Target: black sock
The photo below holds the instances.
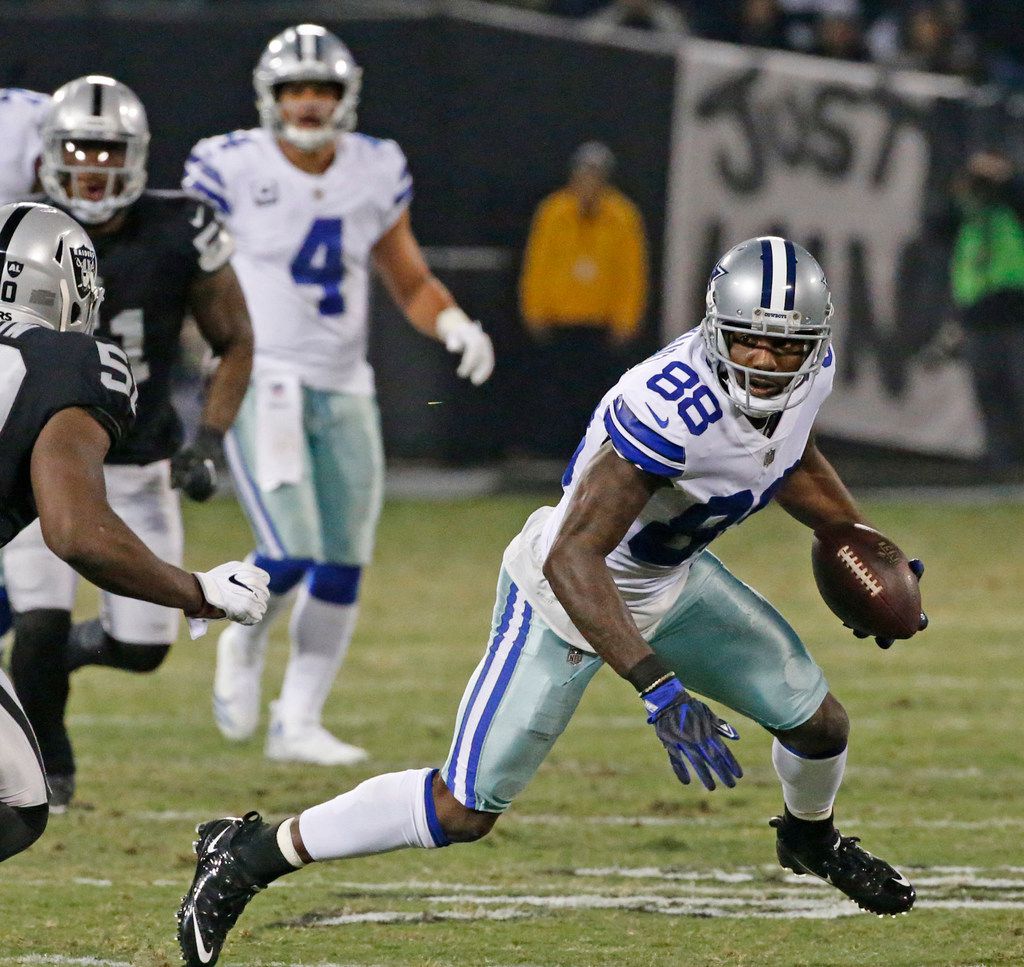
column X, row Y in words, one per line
column 256, row 847
column 41, row 682
column 89, row 644
column 20, row 827
column 821, row 830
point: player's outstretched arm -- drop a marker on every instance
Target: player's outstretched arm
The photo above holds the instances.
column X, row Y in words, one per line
column 80, row 528
column 427, row 304
column 815, row 495
column 220, row 311
column 608, row 498
column 223, row 318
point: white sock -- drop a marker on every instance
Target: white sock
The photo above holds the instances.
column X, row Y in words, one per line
column 254, row 637
column 321, row 633
column 388, row 812
column 809, row 786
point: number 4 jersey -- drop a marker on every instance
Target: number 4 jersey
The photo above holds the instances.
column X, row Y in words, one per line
column 41, row 373
column 303, row 245
column 671, row 417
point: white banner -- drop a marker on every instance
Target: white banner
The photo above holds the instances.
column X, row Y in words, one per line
column 837, row 159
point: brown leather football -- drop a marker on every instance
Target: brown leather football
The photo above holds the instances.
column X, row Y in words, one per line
column 866, row 580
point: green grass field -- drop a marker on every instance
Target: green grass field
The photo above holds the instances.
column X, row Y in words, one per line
column 606, row 859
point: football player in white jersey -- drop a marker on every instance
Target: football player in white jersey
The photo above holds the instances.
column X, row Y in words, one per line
column 21, row 118
column 311, row 203
column 687, row 444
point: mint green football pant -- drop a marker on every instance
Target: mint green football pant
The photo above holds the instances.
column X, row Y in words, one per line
column 723, row 640
column 331, row 514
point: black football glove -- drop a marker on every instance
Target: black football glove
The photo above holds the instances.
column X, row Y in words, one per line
column 917, row 566
column 692, row 734
column 194, row 468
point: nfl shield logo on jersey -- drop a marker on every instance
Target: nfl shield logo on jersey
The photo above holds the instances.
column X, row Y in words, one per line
column 265, row 192
column 769, row 457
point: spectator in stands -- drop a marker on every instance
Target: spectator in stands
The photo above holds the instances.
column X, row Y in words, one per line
column 987, row 274
column 840, row 36
column 583, row 292
column 756, row 23
column 926, row 36
column 657, row 15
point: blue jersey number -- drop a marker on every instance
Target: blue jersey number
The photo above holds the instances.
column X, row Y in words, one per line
column 697, row 406
column 319, row 262
column 669, row 543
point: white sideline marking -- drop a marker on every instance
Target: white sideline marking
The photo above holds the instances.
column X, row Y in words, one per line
column 66, row 961
column 396, row 916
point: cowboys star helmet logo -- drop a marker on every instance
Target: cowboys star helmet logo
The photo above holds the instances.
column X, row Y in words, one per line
column 84, row 260
column 14, row 269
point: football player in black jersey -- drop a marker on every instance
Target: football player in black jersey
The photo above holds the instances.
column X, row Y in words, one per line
column 65, row 400
column 162, row 255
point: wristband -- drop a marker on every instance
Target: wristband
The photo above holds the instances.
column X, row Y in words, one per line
column 648, row 673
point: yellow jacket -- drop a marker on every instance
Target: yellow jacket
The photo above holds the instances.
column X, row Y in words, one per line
column 580, row 270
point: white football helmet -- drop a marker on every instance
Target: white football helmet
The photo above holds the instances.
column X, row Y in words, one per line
column 94, row 109
column 307, row 52
column 47, row 268
column 772, row 286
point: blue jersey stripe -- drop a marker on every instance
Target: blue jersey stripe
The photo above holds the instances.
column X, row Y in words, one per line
column 218, row 200
column 506, row 617
column 500, row 687
column 790, row 276
column 633, row 454
column 403, row 195
column 207, row 169
column 766, row 273
column 644, row 434
column 437, row 832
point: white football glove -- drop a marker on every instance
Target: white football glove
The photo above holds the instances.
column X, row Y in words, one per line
column 460, row 334
column 238, row 589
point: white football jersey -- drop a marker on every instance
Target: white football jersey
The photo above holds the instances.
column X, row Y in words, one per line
column 21, row 115
column 671, row 417
column 303, row 244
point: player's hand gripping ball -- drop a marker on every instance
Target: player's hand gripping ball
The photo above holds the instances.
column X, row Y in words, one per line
column 867, row 582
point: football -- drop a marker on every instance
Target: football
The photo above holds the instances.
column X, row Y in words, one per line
column 866, row 580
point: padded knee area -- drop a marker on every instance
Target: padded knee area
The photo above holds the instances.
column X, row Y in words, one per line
column 335, row 583
column 284, row 572
column 20, row 827
column 139, row 658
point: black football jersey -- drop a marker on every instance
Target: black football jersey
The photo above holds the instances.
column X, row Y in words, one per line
column 43, row 371
column 168, row 240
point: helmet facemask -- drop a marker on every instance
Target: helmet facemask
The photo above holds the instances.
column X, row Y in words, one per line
column 736, row 377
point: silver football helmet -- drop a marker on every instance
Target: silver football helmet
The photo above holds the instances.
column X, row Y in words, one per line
column 94, row 109
column 47, row 268
column 772, row 286
column 307, row 53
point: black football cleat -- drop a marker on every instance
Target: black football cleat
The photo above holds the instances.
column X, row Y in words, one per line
column 220, row 890
column 871, row 883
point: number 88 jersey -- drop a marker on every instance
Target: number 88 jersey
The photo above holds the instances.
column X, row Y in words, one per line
column 41, row 373
column 671, row 417
column 303, row 245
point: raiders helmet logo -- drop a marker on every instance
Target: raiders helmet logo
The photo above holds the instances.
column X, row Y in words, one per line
column 84, row 260
column 14, row 269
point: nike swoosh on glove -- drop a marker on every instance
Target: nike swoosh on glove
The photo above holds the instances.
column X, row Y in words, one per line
column 460, row 334
column 692, row 734
column 238, row 589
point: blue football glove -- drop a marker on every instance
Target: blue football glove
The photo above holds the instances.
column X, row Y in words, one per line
column 692, row 734
column 917, row 566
